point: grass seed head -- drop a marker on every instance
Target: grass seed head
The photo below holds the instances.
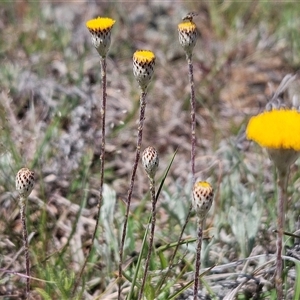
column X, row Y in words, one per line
column 203, row 195
column 24, row 182
column 100, row 29
column 143, row 67
column 150, row 161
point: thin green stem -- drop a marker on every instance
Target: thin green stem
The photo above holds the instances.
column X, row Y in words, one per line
column 282, row 199
column 198, row 258
column 102, row 159
column 25, row 242
column 153, row 221
column 129, row 196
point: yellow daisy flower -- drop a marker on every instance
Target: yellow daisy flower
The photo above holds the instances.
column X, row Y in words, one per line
column 143, row 67
column 279, row 132
column 187, row 31
column 100, row 29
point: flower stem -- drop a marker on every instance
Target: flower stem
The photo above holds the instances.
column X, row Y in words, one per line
column 129, row 196
column 102, row 158
column 198, row 258
column 153, row 221
column 193, row 155
column 193, row 119
column 25, row 242
column 282, row 198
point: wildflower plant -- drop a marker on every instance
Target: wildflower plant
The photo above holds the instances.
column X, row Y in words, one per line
column 278, row 131
column 188, row 34
column 143, row 68
column 203, row 195
column 150, row 162
column 100, row 29
column 187, row 31
column 24, row 185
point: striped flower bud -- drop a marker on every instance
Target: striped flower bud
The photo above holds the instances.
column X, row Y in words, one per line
column 187, row 35
column 150, row 161
column 143, row 67
column 100, row 29
column 24, row 182
column 203, row 195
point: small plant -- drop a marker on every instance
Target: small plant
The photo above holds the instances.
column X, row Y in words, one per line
column 24, row 185
column 100, row 29
column 278, row 131
column 187, row 38
column 203, row 195
column 143, row 68
column 150, row 163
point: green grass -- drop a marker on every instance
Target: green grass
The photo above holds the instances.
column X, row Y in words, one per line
column 48, row 126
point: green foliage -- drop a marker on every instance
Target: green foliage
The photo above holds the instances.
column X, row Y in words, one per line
column 63, row 281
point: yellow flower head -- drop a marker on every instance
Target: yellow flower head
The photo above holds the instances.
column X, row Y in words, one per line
column 144, row 56
column 100, row 29
column 276, row 129
column 100, row 24
column 187, row 26
column 143, row 67
column 187, row 31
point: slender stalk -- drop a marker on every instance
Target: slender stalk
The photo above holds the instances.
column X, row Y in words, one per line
column 193, row 155
column 153, row 221
column 25, row 242
column 129, row 196
column 198, row 258
column 193, row 113
column 102, row 159
column 282, row 199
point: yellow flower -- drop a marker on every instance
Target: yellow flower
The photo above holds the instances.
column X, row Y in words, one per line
column 100, row 29
column 279, row 132
column 144, row 56
column 188, row 26
column 143, row 67
column 279, row 129
column 100, row 24
column 187, row 36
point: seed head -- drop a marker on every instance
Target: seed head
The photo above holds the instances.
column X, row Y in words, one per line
column 100, row 29
column 187, row 35
column 143, row 67
column 150, row 161
column 203, row 195
column 24, row 182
